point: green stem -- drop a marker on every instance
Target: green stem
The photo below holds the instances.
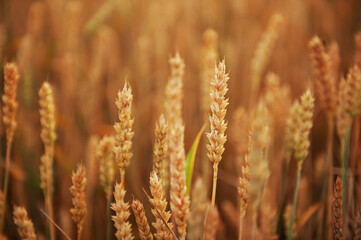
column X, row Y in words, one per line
column 344, row 166
column 293, row 214
column 286, row 167
column 108, row 220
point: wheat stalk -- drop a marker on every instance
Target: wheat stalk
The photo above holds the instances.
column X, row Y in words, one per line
column 78, row 211
column 123, row 129
column 141, row 219
column 48, row 136
column 24, row 224
column 302, row 143
column 218, row 125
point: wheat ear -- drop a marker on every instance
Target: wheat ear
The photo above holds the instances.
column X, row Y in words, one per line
column 141, row 219
column 48, row 136
column 123, row 129
column 218, row 125
column 24, row 224
column 10, row 105
column 179, row 200
column 107, row 165
column 302, row 143
column 160, row 145
column 337, row 223
column 78, row 211
column 243, row 195
column 120, row 219
column 159, row 204
column 173, row 107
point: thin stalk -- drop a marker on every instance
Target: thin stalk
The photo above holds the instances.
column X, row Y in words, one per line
column 6, row 180
column 344, row 166
column 108, row 220
column 79, row 235
column 215, row 175
column 240, row 231
column 7, row 167
column 293, row 214
column 284, row 188
column 50, row 211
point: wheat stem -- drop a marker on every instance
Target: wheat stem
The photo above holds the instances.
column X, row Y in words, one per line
column 215, row 176
column 298, row 178
column 108, row 220
column 344, row 171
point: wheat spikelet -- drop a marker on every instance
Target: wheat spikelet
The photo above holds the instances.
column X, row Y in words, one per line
column 24, row 224
column 173, row 106
column 120, row 219
column 304, row 116
column 325, row 84
column 337, row 223
column 211, row 224
column 11, row 78
column 141, row 219
column 79, row 211
column 291, row 127
column 198, row 208
column 160, row 145
column 107, row 165
column 179, row 201
column 209, row 56
column 123, row 129
column 159, row 204
column 264, row 49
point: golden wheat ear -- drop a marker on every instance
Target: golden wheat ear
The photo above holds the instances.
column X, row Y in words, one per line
column 337, row 222
column 78, row 211
column 24, row 224
column 142, row 221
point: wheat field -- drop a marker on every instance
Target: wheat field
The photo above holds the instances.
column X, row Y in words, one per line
column 208, row 119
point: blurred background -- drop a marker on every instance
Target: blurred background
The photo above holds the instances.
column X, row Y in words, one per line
column 86, row 49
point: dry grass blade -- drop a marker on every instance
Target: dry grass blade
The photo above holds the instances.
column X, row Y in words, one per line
column 56, row 225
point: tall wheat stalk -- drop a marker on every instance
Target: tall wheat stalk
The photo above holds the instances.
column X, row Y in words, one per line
column 11, row 78
column 218, row 125
column 302, row 143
